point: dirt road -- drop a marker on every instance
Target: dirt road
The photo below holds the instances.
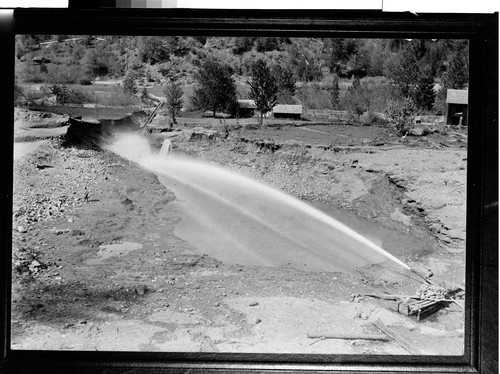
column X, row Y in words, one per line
column 98, row 264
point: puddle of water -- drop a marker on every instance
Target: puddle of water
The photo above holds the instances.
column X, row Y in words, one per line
column 113, row 250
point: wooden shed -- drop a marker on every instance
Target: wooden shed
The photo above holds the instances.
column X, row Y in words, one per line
column 246, row 108
column 456, row 107
column 287, row 111
column 40, row 60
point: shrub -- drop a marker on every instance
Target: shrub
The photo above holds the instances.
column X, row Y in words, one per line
column 173, row 94
column 401, row 114
column 357, row 100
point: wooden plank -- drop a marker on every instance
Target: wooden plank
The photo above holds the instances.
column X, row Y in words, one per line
column 405, row 344
column 380, row 337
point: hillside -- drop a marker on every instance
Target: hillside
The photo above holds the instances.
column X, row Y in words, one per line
column 318, row 67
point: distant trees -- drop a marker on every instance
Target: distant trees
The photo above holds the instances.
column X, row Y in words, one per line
column 457, row 75
column 406, row 71
column 152, row 50
column 342, row 50
column 412, row 73
column 304, row 64
column 302, row 68
column 97, row 62
column 263, row 88
column 242, row 45
column 266, row 44
column 286, row 83
column 173, row 94
column 215, row 88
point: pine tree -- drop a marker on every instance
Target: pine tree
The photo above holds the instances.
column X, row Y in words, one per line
column 173, row 93
column 216, row 90
column 129, row 85
column 425, row 96
column 406, row 71
column 457, row 76
column 263, row 88
column 335, row 93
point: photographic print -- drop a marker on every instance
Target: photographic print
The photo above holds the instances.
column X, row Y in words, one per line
column 239, row 194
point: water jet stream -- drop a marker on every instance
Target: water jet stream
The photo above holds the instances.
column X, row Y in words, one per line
column 239, row 220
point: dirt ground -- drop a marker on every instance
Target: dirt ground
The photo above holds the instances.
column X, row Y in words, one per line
column 97, row 264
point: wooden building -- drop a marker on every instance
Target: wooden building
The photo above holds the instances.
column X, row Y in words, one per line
column 456, row 107
column 287, row 111
column 246, row 108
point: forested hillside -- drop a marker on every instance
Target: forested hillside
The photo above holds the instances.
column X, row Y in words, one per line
column 357, row 75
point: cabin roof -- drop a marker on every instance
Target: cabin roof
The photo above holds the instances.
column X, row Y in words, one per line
column 457, row 96
column 287, row 109
column 246, row 104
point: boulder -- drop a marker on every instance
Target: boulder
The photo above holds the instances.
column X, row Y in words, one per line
column 418, row 131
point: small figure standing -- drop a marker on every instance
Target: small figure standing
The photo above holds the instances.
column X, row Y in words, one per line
column 86, row 197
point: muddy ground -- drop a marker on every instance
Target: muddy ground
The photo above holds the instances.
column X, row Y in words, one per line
column 150, row 290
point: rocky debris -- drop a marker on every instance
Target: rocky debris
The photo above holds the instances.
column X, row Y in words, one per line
column 356, row 298
column 201, row 134
column 141, row 289
column 253, row 303
column 432, row 292
column 26, row 261
column 22, row 229
column 256, row 320
column 129, row 205
column 45, row 200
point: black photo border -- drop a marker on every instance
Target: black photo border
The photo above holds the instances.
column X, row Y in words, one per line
column 481, row 328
